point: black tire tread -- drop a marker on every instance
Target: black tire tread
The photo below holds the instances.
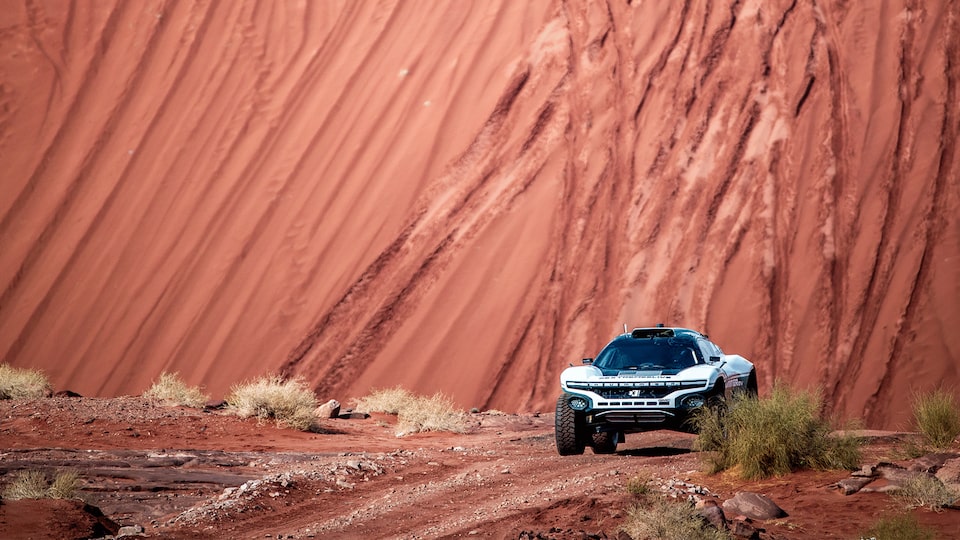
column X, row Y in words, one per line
column 604, row 442
column 569, row 440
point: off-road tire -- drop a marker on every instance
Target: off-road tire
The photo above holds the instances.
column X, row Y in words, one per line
column 568, row 430
column 605, row 442
column 716, row 405
column 753, row 390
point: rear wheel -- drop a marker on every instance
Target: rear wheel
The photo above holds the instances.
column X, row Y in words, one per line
column 568, row 429
column 605, row 442
column 753, row 389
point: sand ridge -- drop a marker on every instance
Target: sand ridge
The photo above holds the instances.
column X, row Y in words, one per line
column 469, row 197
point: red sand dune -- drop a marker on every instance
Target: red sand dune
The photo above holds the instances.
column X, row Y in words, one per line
column 465, row 197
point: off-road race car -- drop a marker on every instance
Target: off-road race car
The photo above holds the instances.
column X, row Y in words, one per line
column 647, row 379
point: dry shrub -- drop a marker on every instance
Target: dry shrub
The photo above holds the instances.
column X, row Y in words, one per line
column 65, row 485
column 29, row 484
column 937, row 417
column 32, row 484
column 415, row 413
column 639, row 486
column 666, row 519
column 387, row 400
column 289, row 402
column 900, row 527
column 21, row 383
column 928, row 491
column 774, row 436
column 171, row 390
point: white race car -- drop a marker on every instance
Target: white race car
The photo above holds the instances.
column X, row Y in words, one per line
column 647, row 379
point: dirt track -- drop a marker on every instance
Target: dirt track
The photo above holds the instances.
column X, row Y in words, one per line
column 171, row 471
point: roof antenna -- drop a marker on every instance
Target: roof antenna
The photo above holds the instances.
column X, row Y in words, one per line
column 624, row 328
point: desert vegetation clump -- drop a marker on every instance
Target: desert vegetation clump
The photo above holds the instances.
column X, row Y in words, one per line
column 33, row 484
column 898, row 527
column 639, row 486
column 937, row 417
column 662, row 518
column 290, row 402
column 774, row 436
column 415, row 413
column 927, row 491
column 171, row 390
column 22, row 383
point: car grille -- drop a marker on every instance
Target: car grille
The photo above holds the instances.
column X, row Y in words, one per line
column 634, row 417
column 648, row 390
column 620, row 393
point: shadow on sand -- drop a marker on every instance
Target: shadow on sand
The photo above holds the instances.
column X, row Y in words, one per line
column 654, row 451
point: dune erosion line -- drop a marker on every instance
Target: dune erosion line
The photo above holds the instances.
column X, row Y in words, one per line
column 468, row 198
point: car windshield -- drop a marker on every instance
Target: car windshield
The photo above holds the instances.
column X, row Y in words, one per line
column 645, row 355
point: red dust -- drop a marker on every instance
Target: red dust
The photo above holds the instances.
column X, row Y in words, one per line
column 180, row 473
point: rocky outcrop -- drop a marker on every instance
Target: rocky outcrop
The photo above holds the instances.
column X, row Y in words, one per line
column 54, row 518
column 885, row 477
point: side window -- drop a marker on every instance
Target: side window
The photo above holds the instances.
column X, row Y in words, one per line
column 709, row 349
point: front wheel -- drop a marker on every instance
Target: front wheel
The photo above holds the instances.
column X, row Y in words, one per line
column 605, row 442
column 567, row 429
column 716, row 407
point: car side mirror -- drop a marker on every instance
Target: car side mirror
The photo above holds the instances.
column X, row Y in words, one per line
column 714, row 359
column 588, row 361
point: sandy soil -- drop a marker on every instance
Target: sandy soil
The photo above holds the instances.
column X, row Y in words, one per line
column 465, row 197
column 186, row 473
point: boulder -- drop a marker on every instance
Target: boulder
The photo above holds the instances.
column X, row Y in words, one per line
column 753, row 505
column 949, row 474
column 330, row 409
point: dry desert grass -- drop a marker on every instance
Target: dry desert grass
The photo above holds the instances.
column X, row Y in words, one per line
column 667, row 519
column 20, row 383
column 33, row 484
column 937, row 417
column 289, row 402
column 171, row 390
column 926, row 491
column 898, row 527
column 415, row 413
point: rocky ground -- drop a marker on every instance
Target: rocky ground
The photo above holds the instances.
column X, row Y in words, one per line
column 165, row 472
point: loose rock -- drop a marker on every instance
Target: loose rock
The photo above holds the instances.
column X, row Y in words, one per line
column 849, row 486
column 714, row 514
column 330, row 409
column 753, row 505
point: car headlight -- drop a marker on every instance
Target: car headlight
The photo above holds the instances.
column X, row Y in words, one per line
column 578, row 403
column 693, row 401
